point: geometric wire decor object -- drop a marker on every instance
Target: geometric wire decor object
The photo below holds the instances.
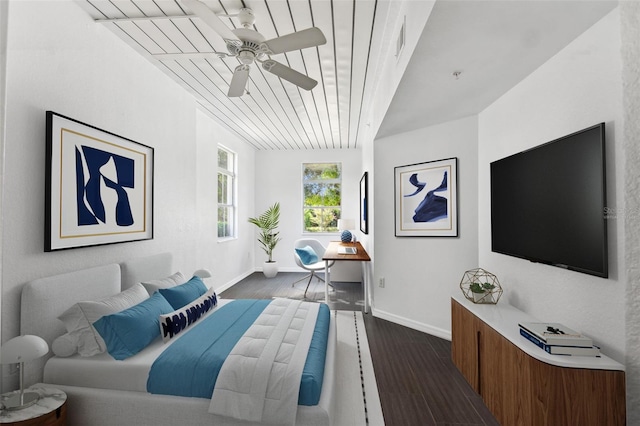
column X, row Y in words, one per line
column 481, row 286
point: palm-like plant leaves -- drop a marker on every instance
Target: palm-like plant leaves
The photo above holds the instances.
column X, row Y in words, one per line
column 267, row 222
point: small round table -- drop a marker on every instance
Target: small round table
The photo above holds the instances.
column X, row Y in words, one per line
column 50, row 410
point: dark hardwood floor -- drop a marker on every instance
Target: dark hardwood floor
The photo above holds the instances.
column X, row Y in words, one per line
column 417, row 382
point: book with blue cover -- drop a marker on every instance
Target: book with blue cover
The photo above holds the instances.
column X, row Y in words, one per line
column 556, row 334
column 559, row 349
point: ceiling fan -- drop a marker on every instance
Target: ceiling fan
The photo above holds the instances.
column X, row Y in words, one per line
column 250, row 46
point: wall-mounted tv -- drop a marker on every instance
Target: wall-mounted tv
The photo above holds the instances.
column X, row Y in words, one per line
column 548, row 203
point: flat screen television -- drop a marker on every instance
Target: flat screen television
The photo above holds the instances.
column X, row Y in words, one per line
column 548, row 203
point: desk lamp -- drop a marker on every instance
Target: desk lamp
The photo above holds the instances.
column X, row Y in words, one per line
column 19, row 350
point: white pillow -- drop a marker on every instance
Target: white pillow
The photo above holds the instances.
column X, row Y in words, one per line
column 173, row 323
column 65, row 345
column 171, row 281
column 79, row 318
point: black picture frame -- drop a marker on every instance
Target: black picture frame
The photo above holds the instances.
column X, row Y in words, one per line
column 99, row 186
column 364, row 203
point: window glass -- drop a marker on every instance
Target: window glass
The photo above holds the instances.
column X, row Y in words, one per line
column 226, row 193
column 322, row 196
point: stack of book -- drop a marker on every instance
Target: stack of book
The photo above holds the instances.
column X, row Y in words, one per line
column 558, row 339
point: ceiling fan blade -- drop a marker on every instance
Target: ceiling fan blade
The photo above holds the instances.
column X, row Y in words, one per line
column 210, row 18
column 295, row 41
column 289, row 74
column 238, row 81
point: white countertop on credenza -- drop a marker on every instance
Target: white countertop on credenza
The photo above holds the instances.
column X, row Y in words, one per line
column 504, row 318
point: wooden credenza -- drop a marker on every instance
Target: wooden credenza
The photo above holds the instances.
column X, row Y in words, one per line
column 523, row 385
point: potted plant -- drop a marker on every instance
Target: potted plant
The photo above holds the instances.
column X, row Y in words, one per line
column 481, row 290
column 267, row 223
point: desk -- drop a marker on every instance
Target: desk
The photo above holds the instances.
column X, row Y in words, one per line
column 331, row 254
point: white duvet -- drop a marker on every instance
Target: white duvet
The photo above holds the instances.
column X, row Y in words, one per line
column 260, row 380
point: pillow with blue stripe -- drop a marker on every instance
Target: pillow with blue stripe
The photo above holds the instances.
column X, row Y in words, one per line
column 184, row 294
column 173, row 323
column 307, row 255
column 128, row 332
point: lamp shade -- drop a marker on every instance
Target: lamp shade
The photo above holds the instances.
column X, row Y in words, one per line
column 22, row 349
column 346, row 224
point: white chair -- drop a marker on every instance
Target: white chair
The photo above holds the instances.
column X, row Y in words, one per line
column 314, row 267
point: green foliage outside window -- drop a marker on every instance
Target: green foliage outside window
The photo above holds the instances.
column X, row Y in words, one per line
column 322, row 186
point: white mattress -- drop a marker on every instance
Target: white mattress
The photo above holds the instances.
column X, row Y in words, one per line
column 103, row 372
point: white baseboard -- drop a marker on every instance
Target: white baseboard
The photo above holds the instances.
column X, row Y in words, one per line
column 239, row 278
column 425, row 328
column 233, row 282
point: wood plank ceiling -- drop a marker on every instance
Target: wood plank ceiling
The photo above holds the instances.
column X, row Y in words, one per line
column 275, row 115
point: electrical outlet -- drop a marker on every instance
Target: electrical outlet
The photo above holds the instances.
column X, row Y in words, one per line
column 381, row 282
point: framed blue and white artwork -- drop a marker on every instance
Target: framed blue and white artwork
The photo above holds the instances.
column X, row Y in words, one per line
column 426, row 199
column 99, row 186
column 364, row 203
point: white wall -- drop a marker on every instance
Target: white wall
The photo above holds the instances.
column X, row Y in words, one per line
column 577, row 88
column 391, row 15
column 4, row 12
column 421, row 273
column 59, row 59
column 231, row 259
column 278, row 177
column 582, row 85
column 630, row 31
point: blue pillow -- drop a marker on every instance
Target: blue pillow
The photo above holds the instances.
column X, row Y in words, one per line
column 128, row 332
column 307, row 255
column 184, row 294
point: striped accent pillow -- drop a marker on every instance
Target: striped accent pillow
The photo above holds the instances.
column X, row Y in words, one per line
column 173, row 323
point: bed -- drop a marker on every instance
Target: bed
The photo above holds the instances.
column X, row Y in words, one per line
column 103, row 391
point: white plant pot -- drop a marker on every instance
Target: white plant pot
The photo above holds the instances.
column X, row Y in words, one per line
column 270, row 269
column 480, row 297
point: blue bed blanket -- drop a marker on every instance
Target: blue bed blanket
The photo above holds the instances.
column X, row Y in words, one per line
column 190, row 366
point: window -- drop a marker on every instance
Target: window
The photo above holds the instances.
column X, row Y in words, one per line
column 322, row 186
column 226, row 193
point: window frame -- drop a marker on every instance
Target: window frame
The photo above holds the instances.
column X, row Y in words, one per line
column 339, row 181
column 233, row 206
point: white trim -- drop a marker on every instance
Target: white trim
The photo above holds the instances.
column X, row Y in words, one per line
column 233, row 282
column 425, row 328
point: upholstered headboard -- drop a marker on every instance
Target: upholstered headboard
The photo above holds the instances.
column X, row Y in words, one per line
column 44, row 299
column 146, row 268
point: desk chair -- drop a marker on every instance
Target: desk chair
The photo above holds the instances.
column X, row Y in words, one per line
column 314, row 264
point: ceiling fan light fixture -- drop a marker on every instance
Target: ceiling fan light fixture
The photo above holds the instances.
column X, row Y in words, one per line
column 246, row 57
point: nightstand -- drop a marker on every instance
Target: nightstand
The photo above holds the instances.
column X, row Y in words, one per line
column 50, row 410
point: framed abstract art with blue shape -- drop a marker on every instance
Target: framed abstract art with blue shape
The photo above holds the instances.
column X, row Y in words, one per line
column 364, row 203
column 99, row 186
column 426, row 199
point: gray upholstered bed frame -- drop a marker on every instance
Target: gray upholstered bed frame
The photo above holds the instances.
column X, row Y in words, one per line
column 44, row 299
